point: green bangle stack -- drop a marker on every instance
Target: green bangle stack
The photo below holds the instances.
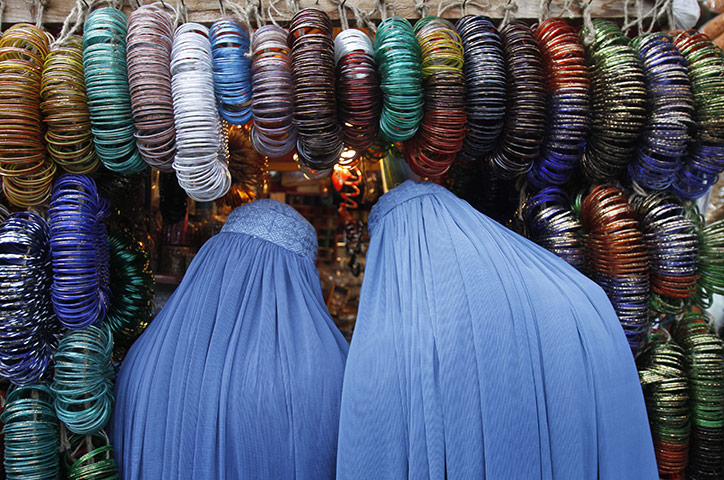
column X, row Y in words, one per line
column 399, row 57
column 97, row 463
column 109, row 99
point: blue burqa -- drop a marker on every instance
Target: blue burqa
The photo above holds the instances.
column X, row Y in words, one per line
column 477, row 354
column 240, row 375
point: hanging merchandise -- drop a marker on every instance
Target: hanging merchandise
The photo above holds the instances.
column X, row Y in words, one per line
column 83, row 379
column 617, row 258
column 201, row 145
column 399, row 56
column 519, row 143
column 710, row 261
column 671, row 241
column 478, row 354
column 27, row 173
column 347, row 180
column 246, row 354
column 232, row 70
column 132, row 288
column 705, row 372
column 319, row 143
column 248, row 168
column 551, row 223
column 484, row 69
column 148, row 53
column 31, row 434
column 65, row 109
column 671, row 108
column 90, row 457
column 273, row 133
column 568, row 103
column 109, row 100
column 662, row 370
column 79, row 244
column 705, row 159
column 442, row 130
column 28, row 326
column 358, row 89
column 618, row 102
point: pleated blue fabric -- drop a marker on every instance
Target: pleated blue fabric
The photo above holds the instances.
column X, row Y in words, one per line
column 240, row 375
column 479, row 354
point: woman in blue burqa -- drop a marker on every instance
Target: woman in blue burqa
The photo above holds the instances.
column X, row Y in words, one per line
column 478, row 354
column 240, row 374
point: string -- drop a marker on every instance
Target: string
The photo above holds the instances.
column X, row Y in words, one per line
column 273, row 5
column 78, row 12
column 242, row 14
column 40, row 6
column 590, row 36
column 293, row 6
column 421, row 8
column 545, row 10
column 343, row 21
column 2, row 11
column 508, row 10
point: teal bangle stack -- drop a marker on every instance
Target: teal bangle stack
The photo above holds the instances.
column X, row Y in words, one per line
column 109, row 99
column 399, row 56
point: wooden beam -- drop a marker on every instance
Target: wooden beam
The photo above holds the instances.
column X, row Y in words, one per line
column 208, row 11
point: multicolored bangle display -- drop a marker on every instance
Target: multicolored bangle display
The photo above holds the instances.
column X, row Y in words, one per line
column 551, row 223
column 109, row 99
column 148, row 54
column 617, row 258
column 442, row 130
column 568, row 103
column 79, row 246
column 671, row 109
column 705, row 159
column 28, row 326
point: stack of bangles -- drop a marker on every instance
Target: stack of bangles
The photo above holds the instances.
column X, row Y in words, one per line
column 358, row 91
column 568, row 103
column 148, row 54
column 273, row 133
column 442, row 130
column 90, row 457
column 65, row 109
column 705, row 158
column 109, row 98
column 710, row 263
column 551, row 223
column 28, row 327
column 232, row 70
column 617, row 258
column 672, row 243
column 27, row 173
column 79, row 244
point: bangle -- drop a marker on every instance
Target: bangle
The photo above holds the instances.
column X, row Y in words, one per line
column 83, row 379
column 442, row 130
column 522, row 134
column 484, row 68
column 232, row 70
column 109, row 98
column 90, row 457
column 399, row 56
column 568, row 103
column 28, row 326
column 148, row 55
column 618, row 106
column 319, row 141
column 79, row 246
column 273, row 134
column 65, row 109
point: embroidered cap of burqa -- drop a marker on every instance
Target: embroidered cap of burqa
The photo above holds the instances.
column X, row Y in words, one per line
column 240, row 374
column 478, row 354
